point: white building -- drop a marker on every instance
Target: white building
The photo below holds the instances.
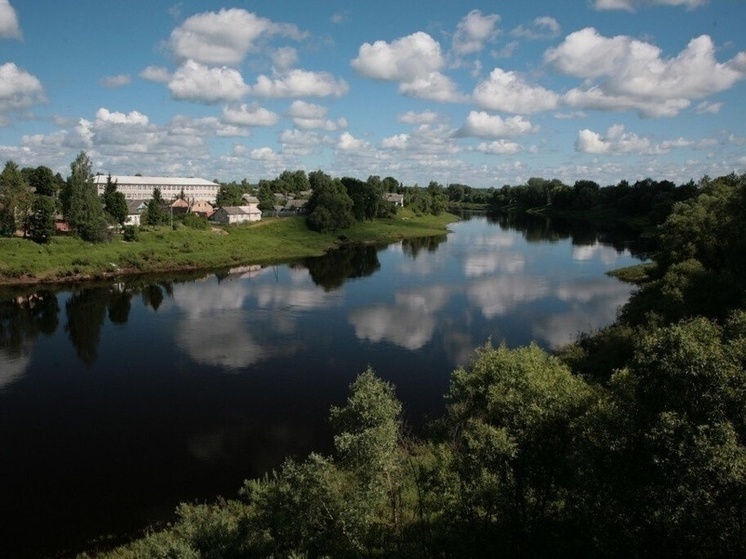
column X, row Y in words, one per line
column 141, row 188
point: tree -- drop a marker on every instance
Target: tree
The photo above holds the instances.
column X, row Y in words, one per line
column 230, row 195
column 154, row 214
column 41, row 220
column 81, row 204
column 15, row 200
column 671, row 452
column 115, row 203
column 330, row 207
column 513, row 413
column 43, row 181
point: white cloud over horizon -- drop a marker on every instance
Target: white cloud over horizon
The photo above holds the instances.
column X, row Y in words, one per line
column 473, row 95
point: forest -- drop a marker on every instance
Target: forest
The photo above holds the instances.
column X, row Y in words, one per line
column 629, row 442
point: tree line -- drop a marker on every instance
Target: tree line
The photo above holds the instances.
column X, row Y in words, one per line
column 630, row 442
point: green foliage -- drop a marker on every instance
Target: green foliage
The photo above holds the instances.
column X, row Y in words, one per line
column 155, row 214
column 131, row 233
column 230, row 195
column 16, row 199
column 41, row 219
column 82, row 207
column 115, row 205
column 330, row 207
column 195, row 221
column 514, row 412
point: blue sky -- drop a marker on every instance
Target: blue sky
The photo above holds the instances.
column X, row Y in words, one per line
column 482, row 93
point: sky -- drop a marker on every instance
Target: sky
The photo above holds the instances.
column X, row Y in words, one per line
column 483, row 93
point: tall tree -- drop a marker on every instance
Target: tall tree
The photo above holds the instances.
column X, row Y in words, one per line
column 82, row 206
column 15, row 200
column 115, row 203
column 41, row 219
column 154, row 214
column 43, row 181
column 330, row 207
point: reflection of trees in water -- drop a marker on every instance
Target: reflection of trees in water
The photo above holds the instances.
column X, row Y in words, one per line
column 352, row 261
column 412, row 247
column 537, row 228
column 24, row 316
column 86, row 310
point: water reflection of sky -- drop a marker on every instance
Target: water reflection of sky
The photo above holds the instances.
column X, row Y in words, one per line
column 482, row 283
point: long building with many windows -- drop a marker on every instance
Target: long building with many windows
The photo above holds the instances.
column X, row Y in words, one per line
column 141, row 188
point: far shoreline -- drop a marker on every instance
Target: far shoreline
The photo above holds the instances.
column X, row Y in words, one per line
column 166, row 250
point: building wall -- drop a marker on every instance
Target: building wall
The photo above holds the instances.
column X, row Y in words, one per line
column 141, row 188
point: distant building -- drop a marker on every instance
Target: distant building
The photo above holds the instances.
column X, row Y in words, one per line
column 141, row 188
column 135, row 209
column 229, row 215
column 394, row 198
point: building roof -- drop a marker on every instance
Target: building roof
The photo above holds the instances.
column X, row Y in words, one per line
column 239, row 210
column 135, row 206
column 154, row 181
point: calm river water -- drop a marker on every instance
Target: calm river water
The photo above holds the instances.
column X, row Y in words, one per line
column 119, row 401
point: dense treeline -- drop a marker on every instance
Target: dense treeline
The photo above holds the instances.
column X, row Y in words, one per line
column 646, row 203
column 630, row 443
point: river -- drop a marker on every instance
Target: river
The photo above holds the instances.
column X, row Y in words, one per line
column 118, row 401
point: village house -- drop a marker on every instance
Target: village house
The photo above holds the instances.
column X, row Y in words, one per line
column 397, row 199
column 135, row 209
column 229, row 215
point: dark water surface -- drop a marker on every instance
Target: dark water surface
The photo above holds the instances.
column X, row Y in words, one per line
column 118, row 401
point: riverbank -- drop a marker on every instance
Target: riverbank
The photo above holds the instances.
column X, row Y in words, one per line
column 163, row 249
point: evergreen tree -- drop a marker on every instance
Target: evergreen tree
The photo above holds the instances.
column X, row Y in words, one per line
column 41, row 219
column 115, row 203
column 82, row 206
column 155, row 215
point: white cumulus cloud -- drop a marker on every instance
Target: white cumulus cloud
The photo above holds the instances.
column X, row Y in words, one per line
column 119, row 80
column 18, row 89
column 157, row 74
column 485, row 125
column 9, row 28
column 404, row 60
column 509, row 92
column 300, row 83
column 633, row 5
column 623, row 73
column 499, row 147
column 347, row 142
column 196, row 82
column 474, row 31
column 224, row 37
column 545, row 27
column 249, row 115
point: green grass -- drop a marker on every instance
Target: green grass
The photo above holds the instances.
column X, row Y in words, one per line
column 637, row 273
column 161, row 249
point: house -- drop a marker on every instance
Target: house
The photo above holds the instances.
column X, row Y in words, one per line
column 135, row 209
column 296, row 206
column 229, row 215
column 203, row 208
column 179, row 206
column 396, row 199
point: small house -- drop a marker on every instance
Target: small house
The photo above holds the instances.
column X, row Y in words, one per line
column 396, row 199
column 229, row 215
column 135, row 208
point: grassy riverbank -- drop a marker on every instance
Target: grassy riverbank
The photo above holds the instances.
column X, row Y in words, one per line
column 161, row 249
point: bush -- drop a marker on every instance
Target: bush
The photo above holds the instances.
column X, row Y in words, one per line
column 196, row 221
column 131, row 233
